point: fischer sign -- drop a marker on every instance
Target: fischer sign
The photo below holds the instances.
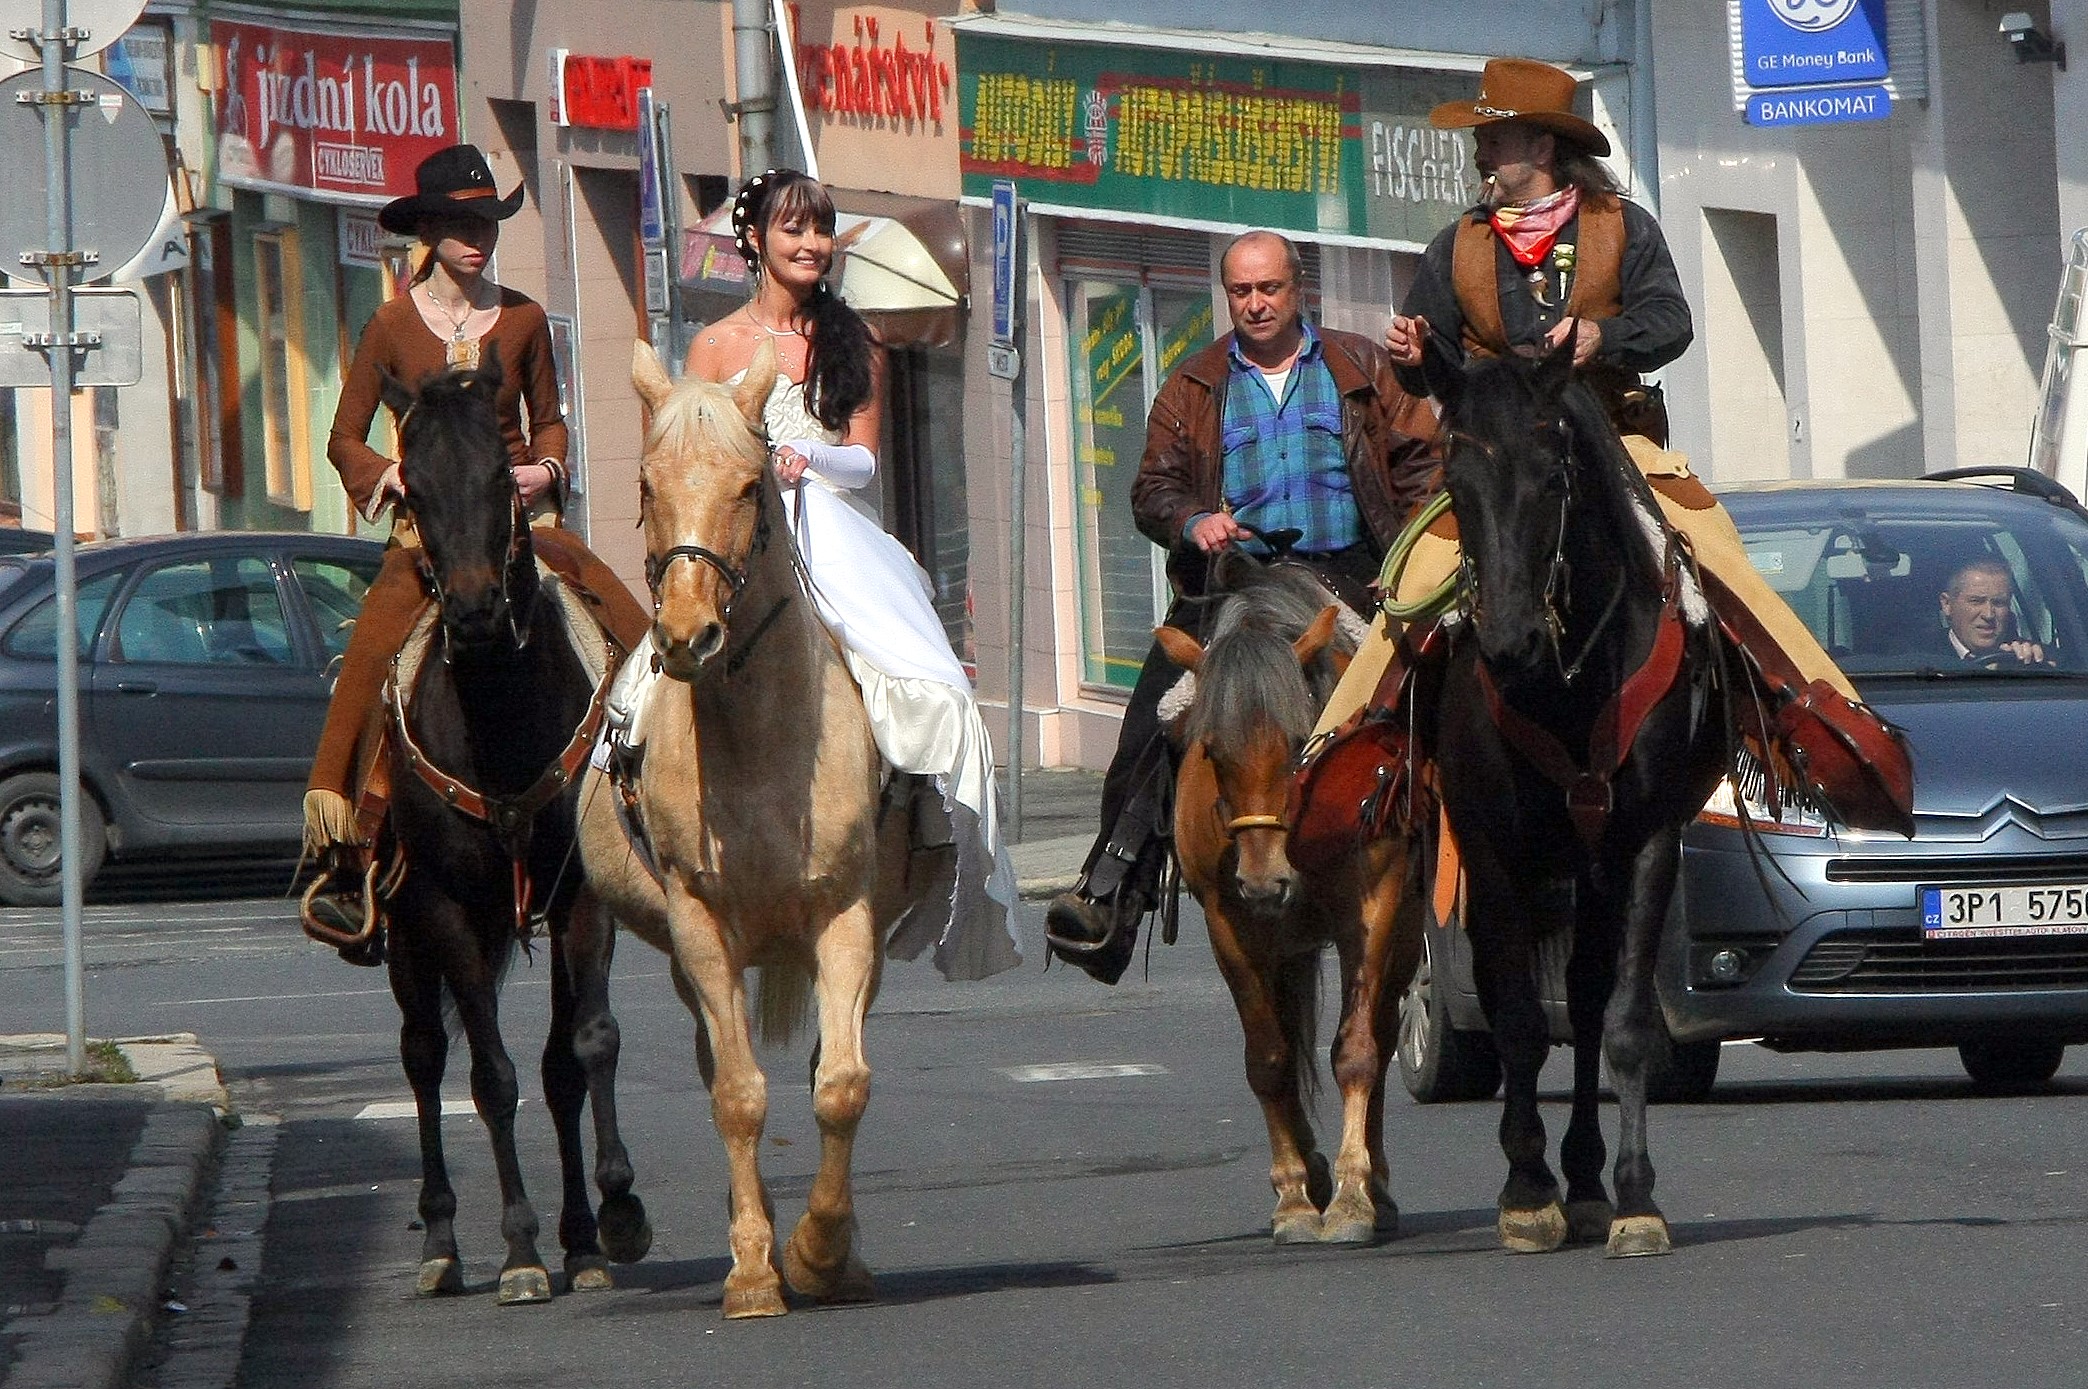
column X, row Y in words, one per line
column 347, row 117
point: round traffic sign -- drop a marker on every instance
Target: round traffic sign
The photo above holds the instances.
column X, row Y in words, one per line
column 104, row 20
column 118, row 177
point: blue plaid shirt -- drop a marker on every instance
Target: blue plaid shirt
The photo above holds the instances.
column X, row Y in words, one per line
column 1284, row 464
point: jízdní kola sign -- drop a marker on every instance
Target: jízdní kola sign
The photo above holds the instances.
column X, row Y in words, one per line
column 1814, row 62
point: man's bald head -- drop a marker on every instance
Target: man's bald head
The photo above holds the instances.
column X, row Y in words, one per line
column 1263, row 240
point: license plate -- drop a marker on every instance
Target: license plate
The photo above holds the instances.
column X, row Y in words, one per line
column 2043, row 909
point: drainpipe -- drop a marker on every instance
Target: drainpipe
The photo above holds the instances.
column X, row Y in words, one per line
column 754, row 72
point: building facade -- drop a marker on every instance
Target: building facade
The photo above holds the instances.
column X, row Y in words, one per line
column 1139, row 153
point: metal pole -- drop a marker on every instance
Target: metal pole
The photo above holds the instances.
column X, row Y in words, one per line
column 1018, row 581
column 753, row 55
column 58, row 271
column 1018, row 528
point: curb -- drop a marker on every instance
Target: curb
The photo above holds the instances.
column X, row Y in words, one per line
column 116, row 1271
column 1046, row 867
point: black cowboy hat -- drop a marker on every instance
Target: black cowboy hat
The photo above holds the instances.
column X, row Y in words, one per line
column 450, row 182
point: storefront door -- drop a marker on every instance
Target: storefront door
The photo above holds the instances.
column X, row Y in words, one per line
column 1126, row 339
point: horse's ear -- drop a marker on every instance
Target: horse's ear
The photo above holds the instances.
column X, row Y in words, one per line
column 491, row 373
column 753, row 392
column 1445, row 377
column 396, row 394
column 1181, row 648
column 1556, row 366
column 1314, row 639
column 648, row 376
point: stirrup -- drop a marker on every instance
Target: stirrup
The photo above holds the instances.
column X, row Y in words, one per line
column 366, row 939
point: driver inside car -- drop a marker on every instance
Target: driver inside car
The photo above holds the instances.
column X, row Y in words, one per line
column 1978, row 615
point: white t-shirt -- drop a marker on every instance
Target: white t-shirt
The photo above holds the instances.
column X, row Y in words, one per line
column 1277, row 381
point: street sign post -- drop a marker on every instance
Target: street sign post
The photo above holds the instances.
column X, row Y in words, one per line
column 104, row 170
column 1004, row 360
column 102, row 22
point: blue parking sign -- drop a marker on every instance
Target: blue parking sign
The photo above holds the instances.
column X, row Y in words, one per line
column 1805, row 43
column 1006, row 245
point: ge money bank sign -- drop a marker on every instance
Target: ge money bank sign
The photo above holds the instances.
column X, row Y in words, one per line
column 1813, row 62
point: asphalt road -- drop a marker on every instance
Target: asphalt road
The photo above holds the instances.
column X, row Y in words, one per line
column 1840, row 1220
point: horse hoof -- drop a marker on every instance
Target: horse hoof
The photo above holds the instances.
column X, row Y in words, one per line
column 625, row 1233
column 851, row 1282
column 763, row 1301
column 524, row 1285
column 439, row 1277
column 1636, row 1236
column 589, row 1273
column 1533, row 1232
column 1300, row 1227
column 1351, row 1218
column 1588, row 1222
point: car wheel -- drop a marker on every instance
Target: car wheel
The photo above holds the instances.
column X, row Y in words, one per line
column 2003, row 1067
column 1440, row 1063
column 31, row 871
column 1687, row 1073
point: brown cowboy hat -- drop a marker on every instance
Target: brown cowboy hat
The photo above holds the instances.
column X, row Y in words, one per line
column 449, row 183
column 1520, row 89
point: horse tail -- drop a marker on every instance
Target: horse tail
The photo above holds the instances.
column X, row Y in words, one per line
column 782, row 1000
column 1297, row 988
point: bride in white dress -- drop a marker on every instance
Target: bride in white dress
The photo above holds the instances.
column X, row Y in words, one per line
column 823, row 420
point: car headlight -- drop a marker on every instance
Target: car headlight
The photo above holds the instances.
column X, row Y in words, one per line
column 1726, row 803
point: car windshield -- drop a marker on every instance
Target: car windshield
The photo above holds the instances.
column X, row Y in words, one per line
column 1934, row 584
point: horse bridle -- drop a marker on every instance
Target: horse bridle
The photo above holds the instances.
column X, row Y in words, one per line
column 1558, row 576
column 734, row 575
column 518, row 527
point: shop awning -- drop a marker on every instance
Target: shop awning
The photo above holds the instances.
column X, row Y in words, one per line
column 904, row 264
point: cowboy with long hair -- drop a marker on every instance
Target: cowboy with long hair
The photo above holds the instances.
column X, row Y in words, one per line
column 1555, row 253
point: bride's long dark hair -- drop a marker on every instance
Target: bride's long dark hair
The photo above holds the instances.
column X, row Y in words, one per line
column 838, row 370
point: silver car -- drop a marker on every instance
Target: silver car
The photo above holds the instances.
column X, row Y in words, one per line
column 1961, row 612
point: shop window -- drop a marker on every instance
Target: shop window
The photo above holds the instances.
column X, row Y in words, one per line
column 923, row 465
column 1124, row 340
column 285, row 431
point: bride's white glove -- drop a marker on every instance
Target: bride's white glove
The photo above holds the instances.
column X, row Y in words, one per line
column 844, row 465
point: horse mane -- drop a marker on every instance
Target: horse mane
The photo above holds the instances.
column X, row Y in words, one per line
column 450, row 414
column 1250, row 673
column 702, row 415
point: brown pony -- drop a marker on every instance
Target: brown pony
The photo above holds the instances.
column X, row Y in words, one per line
column 1273, row 658
column 760, row 795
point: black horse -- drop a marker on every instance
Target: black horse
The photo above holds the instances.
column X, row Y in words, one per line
column 1578, row 730
column 484, row 767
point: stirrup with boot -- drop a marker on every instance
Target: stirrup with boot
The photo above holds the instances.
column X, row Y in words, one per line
column 339, row 907
column 1097, row 935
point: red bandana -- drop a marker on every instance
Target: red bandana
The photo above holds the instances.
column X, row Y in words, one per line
column 1529, row 231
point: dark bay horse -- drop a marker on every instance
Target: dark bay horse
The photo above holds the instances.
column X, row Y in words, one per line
column 1578, row 732
column 1272, row 660
column 483, row 778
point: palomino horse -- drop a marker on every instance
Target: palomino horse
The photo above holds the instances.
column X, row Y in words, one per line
column 760, row 798
column 483, row 770
column 1272, row 660
column 1578, row 733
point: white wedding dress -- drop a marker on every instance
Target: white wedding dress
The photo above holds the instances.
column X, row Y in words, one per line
column 879, row 601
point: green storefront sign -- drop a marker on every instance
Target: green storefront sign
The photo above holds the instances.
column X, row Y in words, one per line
column 1300, row 146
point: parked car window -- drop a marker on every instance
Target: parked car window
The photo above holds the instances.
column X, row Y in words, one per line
column 35, row 636
column 335, row 590
column 205, row 612
column 1870, row 586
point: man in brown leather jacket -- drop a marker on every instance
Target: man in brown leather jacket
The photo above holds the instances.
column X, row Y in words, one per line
column 1279, row 429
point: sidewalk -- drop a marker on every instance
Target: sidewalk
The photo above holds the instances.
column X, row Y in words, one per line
column 98, row 1184
column 1060, row 817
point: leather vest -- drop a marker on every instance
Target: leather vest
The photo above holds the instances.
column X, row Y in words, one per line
column 1598, row 274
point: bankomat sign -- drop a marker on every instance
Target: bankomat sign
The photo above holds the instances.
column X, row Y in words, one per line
column 1809, row 43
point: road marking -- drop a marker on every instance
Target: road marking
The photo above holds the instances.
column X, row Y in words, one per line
column 406, row 1109
column 1081, row 1070
column 272, row 998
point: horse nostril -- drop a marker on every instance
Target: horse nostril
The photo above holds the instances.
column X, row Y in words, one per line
column 708, row 641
